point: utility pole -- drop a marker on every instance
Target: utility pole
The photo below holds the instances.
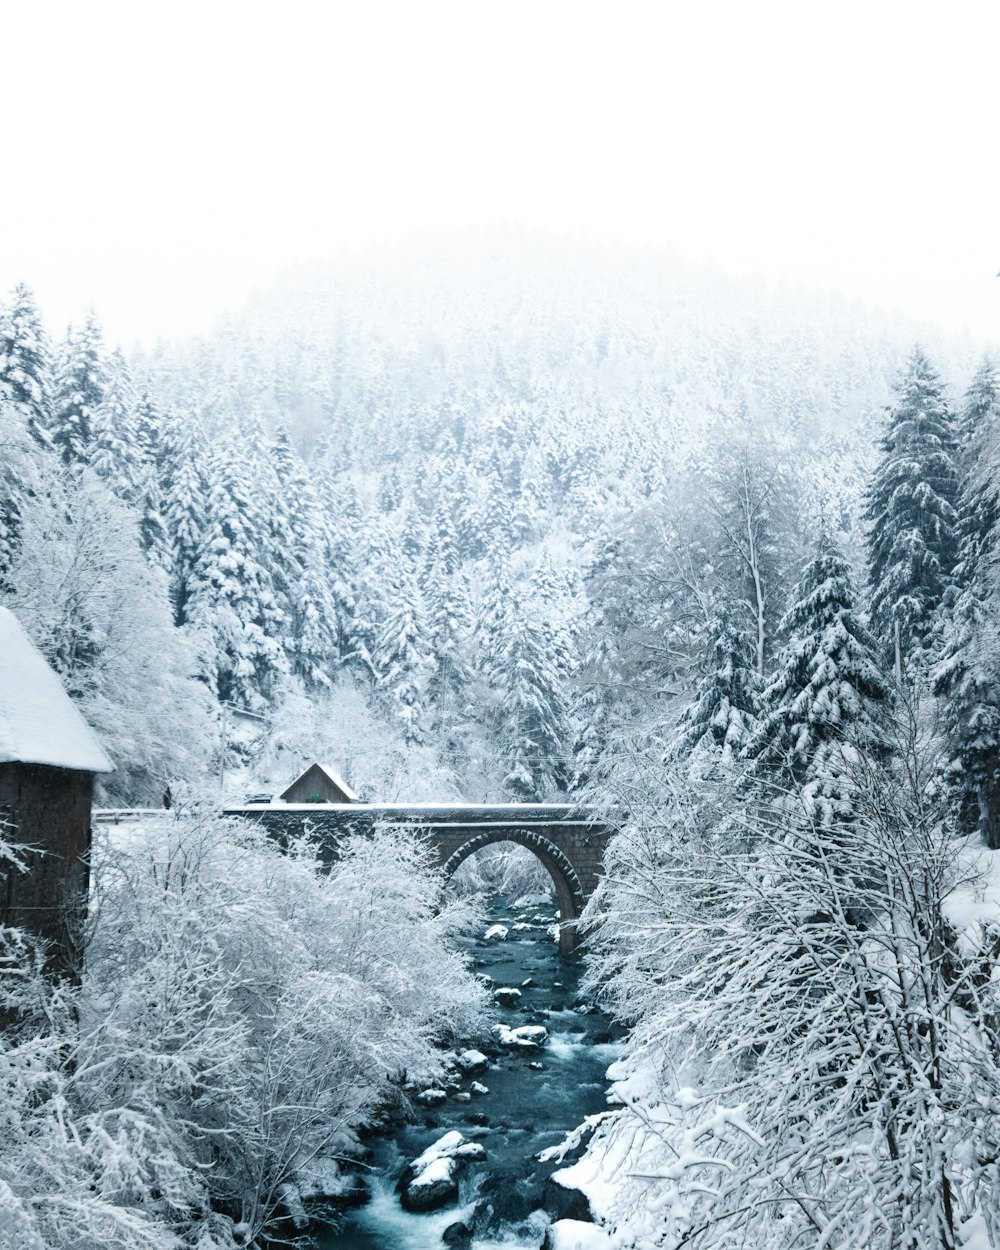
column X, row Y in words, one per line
column 224, row 730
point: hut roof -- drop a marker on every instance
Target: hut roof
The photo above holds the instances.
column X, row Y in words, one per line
column 39, row 723
column 332, row 776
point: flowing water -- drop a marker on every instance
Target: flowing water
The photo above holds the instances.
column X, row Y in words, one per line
column 528, row 1108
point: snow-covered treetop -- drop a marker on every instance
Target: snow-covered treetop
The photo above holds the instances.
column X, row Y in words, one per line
column 38, row 722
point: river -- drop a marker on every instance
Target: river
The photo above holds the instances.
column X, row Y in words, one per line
column 534, row 1099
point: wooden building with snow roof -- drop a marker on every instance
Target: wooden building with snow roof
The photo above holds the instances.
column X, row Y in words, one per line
column 319, row 784
column 48, row 759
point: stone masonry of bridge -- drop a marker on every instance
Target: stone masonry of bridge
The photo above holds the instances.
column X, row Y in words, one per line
column 568, row 842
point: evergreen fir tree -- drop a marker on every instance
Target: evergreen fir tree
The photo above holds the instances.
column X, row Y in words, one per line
column 147, row 428
column 300, row 575
column 820, row 709
column 402, row 658
column 534, row 727
column 442, row 541
column 232, row 603
column 592, row 711
column 113, row 453
column 966, row 677
column 25, row 364
column 80, row 383
column 450, row 627
column 184, row 507
column 911, row 509
column 723, row 713
column 979, row 452
column 550, row 601
column 23, row 416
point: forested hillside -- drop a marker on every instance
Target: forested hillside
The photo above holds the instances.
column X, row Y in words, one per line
column 459, row 516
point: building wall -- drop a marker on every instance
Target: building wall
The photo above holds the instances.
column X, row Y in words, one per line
column 48, row 809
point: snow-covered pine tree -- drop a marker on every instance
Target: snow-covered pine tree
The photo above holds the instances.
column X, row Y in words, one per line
column 113, row 452
column 25, row 364
column 911, row 510
column 820, row 712
column 722, row 716
column 232, row 605
column 535, row 731
column 978, row 457
column 184, row 506
column 967, row 674
column 450, row 626
column 150, row 470
column 312, row 643
column 550, row 598
column 402, row 656
column 16, row 475
column 24, row 415
column 80, row 382
column 147, row 427
column 442, row 539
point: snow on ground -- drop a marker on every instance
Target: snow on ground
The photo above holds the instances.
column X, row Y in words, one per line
column 975, row 901
column 575, row 1235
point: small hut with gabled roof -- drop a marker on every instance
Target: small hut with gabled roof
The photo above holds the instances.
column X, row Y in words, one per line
column 48, row 759
column 320, row 784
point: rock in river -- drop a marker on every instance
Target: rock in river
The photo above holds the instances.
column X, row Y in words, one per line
column 527, row 1037
column 431, row 1180
column 472, row 1061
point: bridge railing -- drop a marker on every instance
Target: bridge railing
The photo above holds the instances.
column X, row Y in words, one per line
column 115, row 815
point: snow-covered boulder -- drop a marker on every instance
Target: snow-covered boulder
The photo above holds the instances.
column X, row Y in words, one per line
column 478, row 1088
column 472, row 1061
column 431, row 1180
column 432, row 1097
column 435, row 1185
column 527, row 1037
column 495, row 933
column 506, row 996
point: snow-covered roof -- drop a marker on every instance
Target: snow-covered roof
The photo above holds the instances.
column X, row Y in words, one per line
column 339, row 782
column 332, row 776
column 38, row 722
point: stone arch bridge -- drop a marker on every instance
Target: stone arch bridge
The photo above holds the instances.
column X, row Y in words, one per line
column 569, row 843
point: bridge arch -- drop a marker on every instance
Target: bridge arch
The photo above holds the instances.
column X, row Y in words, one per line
column 570, row 894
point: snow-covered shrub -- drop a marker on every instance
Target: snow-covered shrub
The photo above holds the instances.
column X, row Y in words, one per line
column 813, row 1058
column 241, row 1011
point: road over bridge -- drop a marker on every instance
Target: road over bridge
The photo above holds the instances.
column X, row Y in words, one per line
column 568, row 841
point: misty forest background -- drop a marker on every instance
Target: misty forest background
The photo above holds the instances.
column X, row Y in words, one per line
column 510, row 518
column 467, row 522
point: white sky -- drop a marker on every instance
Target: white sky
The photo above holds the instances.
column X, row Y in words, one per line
column 160, row 161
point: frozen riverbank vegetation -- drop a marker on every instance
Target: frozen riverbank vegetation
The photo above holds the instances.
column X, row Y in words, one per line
column 240, row 1013
column 814, row 1052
